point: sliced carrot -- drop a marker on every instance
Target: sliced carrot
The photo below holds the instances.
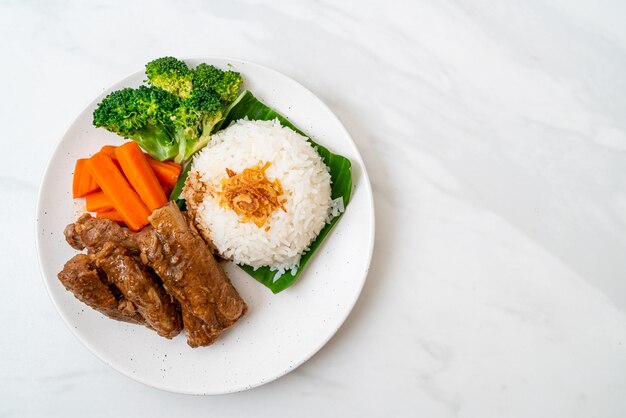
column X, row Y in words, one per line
column 138, row 172
column 166, row 172
column 125, row 200
column 112, row 215
column 98, row 202
column 172, row 163
column 109, row 150
column 83, row 182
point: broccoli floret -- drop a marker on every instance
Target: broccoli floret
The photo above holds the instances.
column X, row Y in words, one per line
column 175, row 116
column 194, row 121
column 225, row 84
column 171, row 75
column 143, row 115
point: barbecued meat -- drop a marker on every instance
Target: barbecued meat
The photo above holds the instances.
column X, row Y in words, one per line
column 72, row 237
column 188, row 270
column 139, row 287
column 92, row 233
column 128, row 308
column 81, row 277
column 173, row 248
column 198, row 333
column 97, row 232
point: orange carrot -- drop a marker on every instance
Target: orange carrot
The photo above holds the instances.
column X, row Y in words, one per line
column 125, row 200
column 138, row 172
column 166, row 172
column 109, row 150
column 112, row 215
column 83, row 181
column 98, row 202
column 172, row 163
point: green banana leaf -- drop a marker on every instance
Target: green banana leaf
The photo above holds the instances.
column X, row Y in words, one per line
column 248, row 106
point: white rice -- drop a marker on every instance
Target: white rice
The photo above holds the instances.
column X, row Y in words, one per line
column 305, row 181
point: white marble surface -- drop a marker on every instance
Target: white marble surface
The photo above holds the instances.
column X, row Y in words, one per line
column 495, row 136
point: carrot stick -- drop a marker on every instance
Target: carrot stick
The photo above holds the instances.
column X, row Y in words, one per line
column 166, row 172
column 125, row 200
column 137, row 170
column 83, row 182
column 112, row 215
column 98, row 202
column 109, row 150
column 172, row 163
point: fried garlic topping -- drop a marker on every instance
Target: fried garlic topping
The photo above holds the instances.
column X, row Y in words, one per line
column 251, row 194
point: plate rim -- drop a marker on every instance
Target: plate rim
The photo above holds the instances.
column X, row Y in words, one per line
column 364, row 180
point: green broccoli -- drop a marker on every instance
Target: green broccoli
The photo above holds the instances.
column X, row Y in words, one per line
column 171, row 75
column 175, row 116
column 194, row 121
column 225, row 84
column 143, row 115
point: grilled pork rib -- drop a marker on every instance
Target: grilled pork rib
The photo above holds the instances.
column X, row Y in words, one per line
column 138, row 286
column 173, row 248
column 188, row 270
column 81, row 277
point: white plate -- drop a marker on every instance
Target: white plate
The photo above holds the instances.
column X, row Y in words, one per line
column 280, row 332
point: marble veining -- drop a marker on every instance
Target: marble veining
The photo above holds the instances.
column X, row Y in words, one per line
column 494, row 135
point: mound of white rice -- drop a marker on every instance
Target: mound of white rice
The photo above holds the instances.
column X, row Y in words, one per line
column 300, row 170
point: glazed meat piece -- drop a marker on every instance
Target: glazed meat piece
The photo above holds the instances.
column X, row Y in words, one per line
column 73, row 237
column 188, row 270
column 92, row 233
column 198, row 333
column 179, row 255
column 81, row 277
column 138, row 286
